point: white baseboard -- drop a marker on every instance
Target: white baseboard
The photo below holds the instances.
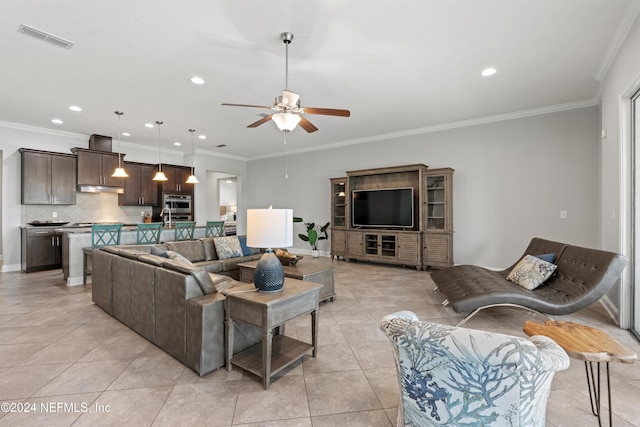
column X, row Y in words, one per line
column 6, row 268
column 76, row 281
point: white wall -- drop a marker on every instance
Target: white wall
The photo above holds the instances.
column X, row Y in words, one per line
column 622, row 79
column 512, row 178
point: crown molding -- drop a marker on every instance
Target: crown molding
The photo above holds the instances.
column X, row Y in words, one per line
column 447, row 126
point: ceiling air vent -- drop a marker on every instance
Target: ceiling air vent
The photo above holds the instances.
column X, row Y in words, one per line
column 58, row 41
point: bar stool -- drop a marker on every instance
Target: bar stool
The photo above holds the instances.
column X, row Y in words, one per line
column 184, row 230
column 101, row 235
column 214, row 229
column 148, row 233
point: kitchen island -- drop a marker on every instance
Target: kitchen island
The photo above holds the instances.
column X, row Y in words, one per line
column 74, row 239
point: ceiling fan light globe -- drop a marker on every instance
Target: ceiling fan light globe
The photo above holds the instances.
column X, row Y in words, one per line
column 286, row 121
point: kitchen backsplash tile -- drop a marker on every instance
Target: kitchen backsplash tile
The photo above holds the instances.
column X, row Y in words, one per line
column 89, row 207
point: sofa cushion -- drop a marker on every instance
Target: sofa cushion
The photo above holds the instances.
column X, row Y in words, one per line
column 209, row 248
column 190, row 249
column 227, row 247
column 211, row 266
column 181, row 267
column 152, row 259
column 175, row 256
column 531, row 272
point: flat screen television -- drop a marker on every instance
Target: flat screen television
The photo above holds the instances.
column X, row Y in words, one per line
column 383, row 208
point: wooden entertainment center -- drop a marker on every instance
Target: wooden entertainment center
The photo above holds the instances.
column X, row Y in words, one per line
column 428, row 243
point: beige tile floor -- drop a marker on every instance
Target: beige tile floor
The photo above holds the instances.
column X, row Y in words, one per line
column 62, row 353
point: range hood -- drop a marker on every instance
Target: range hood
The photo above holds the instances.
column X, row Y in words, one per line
column 95, row 166
column 88, row 188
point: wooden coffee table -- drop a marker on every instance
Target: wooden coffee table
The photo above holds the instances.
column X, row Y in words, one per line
column 269, row 311
column 311, row 270
column 589, row 344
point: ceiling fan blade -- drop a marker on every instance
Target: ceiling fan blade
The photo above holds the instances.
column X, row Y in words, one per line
column 327, row 111
column 245, row 105
column 307, row 125
column 263, row 120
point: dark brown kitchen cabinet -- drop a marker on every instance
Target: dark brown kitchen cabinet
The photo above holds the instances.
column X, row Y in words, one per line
column 41, row 249
column 96, row 167
column 176, row 179
column 139, row 188
column 48, row 178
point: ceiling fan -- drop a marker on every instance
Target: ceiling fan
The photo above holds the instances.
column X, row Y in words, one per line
column 289, row 113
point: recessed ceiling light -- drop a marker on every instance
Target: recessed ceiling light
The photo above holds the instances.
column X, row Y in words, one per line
column 75, row 108
column 149, row 125
column 125, row 134
column 202, row 136
column 57, row 121
column 177, row 143
column 488, row 72
column 197, row 80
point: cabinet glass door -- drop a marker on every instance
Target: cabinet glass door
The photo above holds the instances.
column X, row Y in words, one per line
column 388, row 245
column 435, row 202
column 339, row 204
column 371, row 244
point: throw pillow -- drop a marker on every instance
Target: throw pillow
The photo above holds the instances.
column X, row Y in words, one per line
column 227, row 247
column 159, row 250
column 204, row 281
column 243, row 244
column 177, row 257
column 547, row 257
column 531, row 272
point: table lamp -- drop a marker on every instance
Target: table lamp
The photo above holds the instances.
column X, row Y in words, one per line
column 269, row 228
column 234, row 210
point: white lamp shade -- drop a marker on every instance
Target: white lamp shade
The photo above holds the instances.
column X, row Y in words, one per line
column 233, row 208
column 286, row 121
column 269, row 228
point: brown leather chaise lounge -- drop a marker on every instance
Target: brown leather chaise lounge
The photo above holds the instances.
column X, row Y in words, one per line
column 581, row 278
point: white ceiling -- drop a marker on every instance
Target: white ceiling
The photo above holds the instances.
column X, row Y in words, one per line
column 398, row 66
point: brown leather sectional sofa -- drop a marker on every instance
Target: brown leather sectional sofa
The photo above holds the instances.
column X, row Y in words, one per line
column 175, row 305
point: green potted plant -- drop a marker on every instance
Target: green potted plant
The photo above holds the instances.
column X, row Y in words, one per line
column 313, row 234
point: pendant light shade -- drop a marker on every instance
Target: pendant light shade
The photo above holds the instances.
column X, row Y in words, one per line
column 192, row 178
column 119, row 172
column 160, row 176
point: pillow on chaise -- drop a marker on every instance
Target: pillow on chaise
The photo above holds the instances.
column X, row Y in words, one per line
column 547, row 257
column 531, row 272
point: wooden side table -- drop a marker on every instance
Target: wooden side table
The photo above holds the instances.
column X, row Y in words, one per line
column 307, row 270
column 270, row 310
column 589, row 344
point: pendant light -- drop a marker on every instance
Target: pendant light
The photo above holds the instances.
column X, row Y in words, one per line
column 119, row 172
column 160, row 176
column 192, row 178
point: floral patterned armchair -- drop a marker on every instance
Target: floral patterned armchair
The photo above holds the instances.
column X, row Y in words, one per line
column 461, row 377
